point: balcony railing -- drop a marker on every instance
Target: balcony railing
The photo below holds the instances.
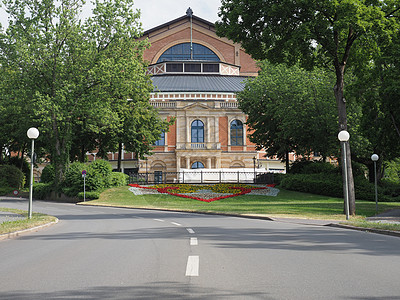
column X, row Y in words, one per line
column 163, row 104
column 198, row 146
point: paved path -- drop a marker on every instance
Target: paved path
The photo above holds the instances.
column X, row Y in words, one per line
column 391, row 216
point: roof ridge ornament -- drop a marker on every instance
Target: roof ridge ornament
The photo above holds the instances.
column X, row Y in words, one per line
column 189, row 12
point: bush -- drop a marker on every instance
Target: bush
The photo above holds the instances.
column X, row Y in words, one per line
column 321, row 184
column 278, row 177
column 298, row 166
column 11, row 176
column 5, row 190
column 119, row 179
column 16, row 161
column 42, row 190
column 89, row 195
column 312, row 167
column 48, row 174
column 73, row 178
column 99, row 175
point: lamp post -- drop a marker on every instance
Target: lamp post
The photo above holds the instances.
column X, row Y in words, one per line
column 33, row 134
column 375, row 158
column 343, row 137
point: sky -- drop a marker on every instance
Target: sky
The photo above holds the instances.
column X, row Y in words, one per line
column 157, row 12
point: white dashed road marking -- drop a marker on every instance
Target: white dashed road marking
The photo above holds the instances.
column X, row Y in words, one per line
column 192, row 267
column 177, row 224
column 193, row 242
column 190, row 230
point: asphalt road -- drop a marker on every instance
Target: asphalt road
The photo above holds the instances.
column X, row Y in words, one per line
column 112, row 253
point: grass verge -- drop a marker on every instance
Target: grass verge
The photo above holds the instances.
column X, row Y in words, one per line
column 375, row 225
column 36, row 220
column 285, row 204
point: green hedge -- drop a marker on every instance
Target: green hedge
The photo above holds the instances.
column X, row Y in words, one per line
column 42, row 190
column 331, row 184
column 321, row 184
column 89, row 195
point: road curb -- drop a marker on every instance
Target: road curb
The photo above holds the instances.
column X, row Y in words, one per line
column 21, row 232
column 371, row 230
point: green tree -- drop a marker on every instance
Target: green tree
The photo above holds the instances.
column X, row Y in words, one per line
column 73, row 75
column 329, row 33
column 290, row 109
column 377, row 91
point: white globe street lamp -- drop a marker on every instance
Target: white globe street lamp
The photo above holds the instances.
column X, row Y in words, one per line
column 374, row 158
column 343, row 137
column 33, row 134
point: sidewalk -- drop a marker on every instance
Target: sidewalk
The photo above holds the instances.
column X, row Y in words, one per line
column 391, row 216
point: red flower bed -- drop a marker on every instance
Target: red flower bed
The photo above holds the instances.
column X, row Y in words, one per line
column 167, row 190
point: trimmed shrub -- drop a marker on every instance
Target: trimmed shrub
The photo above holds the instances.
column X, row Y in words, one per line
column 119, row 179
column 332, row 185
column 11, row 176
column 48, row 174
column 321, row 184
column 42, row 190
column 89, row 195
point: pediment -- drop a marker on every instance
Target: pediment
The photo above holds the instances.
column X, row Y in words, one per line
column 196, row 106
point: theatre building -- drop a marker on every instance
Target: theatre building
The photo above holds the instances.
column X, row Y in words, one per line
column 196, row 76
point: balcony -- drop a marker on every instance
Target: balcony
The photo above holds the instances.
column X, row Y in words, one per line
column 198, row 146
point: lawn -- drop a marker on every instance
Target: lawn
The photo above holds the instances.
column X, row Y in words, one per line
column 285, row 204
column 36, row 220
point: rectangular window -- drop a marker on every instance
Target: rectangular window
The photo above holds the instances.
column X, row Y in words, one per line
column 211, row 68
column 174, row 68
column 161, row 141
column 193, row 68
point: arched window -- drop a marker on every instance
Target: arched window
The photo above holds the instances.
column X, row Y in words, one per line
column 197, row 165
column 236, row 133
column 161, row 141
column 182, row 52
column 197, row 131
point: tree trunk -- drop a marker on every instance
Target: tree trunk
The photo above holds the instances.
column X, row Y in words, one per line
column 22, row 158
column 119, row 157
column 341, row 104
column 287, row 161
column 82, row 154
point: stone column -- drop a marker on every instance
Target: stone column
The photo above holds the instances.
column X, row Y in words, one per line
column 187, row 162
column 187, row 125
column 209, row 163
